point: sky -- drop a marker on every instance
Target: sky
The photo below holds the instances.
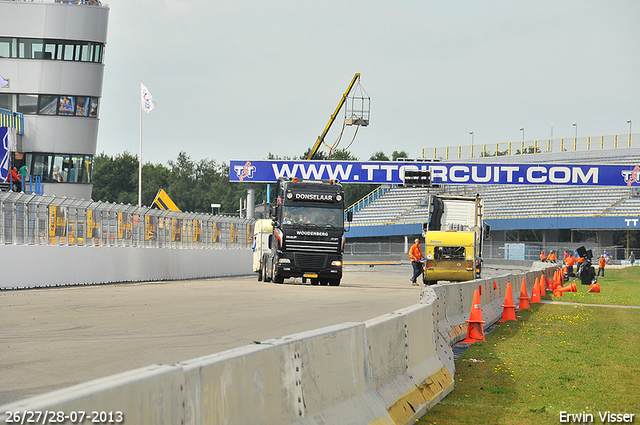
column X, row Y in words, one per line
column 239, row 79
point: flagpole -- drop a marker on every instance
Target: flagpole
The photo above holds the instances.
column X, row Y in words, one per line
column 140, row 154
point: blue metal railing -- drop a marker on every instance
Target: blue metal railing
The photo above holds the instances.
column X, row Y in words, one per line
column 34, row 185
column 368, row 199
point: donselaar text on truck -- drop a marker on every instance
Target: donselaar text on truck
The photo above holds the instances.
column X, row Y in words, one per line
column 305, row 237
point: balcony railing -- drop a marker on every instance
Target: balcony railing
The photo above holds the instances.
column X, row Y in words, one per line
column 12, row 120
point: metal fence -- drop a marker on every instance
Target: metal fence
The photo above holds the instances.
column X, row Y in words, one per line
column 500, row 250
column 31, row 219
column 565, row 144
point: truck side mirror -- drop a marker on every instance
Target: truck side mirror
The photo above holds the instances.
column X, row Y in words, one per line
column 350, row 216
column 270, row 241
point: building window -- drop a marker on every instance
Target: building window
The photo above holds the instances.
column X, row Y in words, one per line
column 28, row 104
column 7, row 47
column 60, row 172
column 48, row 105
column 82, row 104
column 34, row 48
column 31, row 48
column 41, row 166
column 61, row 168
column 67, row 105
column 87, row 174
column 8, row 102
column 75, row 169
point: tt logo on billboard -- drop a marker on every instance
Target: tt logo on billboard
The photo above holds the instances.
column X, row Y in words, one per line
column 245, row 170
column 632, row 220
column 632, row 176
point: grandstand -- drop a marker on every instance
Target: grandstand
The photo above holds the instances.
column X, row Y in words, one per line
column 517, row 207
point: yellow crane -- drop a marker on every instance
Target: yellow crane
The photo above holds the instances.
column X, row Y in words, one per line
column 351, row 120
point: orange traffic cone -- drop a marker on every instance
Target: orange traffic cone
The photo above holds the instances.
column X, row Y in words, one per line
column 508, row 309
column 535, row 293
column 595, row 287
column 495, row 285
column 524, row 298
column 557, row 279
column 542, row 286
column 475, row 330
column 561, row 289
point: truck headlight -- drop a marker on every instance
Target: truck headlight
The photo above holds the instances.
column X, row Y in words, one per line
column 284, row 260
column 336, row 263
column 429, row 256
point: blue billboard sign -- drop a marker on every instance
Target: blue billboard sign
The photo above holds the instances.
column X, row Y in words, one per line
column 392, row 172
column 6, row 144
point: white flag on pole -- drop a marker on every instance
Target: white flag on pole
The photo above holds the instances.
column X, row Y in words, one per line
column 3, row 82
column 147, row 100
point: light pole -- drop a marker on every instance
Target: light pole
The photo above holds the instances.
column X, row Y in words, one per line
column 629, row 121
column 575, row 124
column 472, row 143
column 522, row 129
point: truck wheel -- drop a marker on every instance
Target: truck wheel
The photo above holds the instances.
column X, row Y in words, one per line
column 275, row 277
column 263, row 270
column 315, row 281
column 429, row 282
column 334, row 282
column 260, row 274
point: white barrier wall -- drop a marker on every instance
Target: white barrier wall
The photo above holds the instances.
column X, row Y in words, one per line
column 43, row 266
column 388, row 370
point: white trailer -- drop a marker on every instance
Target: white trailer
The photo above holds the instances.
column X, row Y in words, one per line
column 261, row 231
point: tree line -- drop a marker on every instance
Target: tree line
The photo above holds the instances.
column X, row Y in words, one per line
column 195, row 185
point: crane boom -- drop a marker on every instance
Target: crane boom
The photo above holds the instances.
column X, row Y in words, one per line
column 333, row 117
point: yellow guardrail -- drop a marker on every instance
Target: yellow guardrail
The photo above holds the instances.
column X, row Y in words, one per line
column 564, row 144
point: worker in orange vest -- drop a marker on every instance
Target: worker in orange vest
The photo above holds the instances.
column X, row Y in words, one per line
column 601, row 263
column 569, row 262
column 543, row 256
column 415, row 255
column 552, row 257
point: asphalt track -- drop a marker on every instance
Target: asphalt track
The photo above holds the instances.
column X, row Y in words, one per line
column 54, row 338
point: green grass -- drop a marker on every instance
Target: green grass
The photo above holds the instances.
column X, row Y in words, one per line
column 619, row 287
column 554, row 358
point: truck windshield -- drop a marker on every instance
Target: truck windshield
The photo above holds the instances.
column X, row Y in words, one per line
column 313, row 216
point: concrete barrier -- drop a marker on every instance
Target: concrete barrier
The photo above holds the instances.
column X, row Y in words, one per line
column 312, row 377
column 388, row 370
column 149, row 395
column 81, row 265
column 407, row 374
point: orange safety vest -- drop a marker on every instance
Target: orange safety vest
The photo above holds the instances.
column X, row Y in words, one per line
column 415, row 253
column 570, row 260
column 602, row 261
